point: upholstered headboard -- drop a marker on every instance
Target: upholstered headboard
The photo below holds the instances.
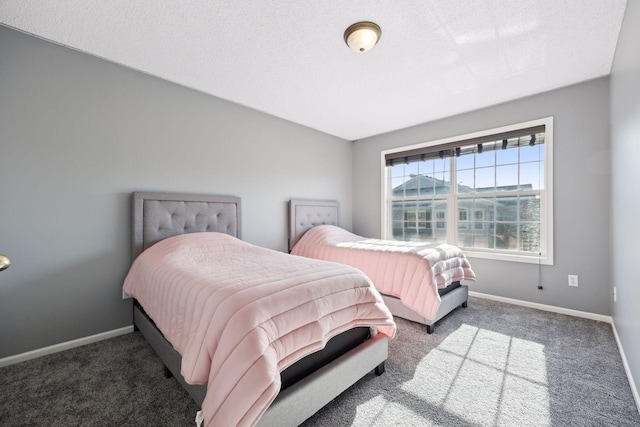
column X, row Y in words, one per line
column 305, row 214
column 157, row 216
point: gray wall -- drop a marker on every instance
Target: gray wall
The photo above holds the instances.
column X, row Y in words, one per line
column 581, row 194
column 78, row 134
column 625, row 188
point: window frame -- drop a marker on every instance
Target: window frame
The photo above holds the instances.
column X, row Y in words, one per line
column 545, row 193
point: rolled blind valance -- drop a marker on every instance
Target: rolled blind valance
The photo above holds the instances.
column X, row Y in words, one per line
column 528, row 136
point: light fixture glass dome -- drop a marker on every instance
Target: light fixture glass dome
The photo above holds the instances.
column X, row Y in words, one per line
column 362, row 36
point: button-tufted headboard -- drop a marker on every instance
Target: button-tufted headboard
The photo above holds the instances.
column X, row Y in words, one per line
column 305, row 214
column 157, row 216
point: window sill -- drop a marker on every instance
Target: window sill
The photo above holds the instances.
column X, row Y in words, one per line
column 527, row 259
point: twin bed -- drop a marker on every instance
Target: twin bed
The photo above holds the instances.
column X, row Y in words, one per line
column 418, row 281
column 243, row 328
column 260, row 337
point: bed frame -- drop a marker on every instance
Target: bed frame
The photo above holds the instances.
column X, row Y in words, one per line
column 309, row 384
column 305, row 214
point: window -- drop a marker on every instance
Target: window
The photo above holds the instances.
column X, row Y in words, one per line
column 500, row 205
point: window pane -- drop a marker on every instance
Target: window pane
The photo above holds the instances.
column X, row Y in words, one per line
column 441, row 166
column 412, row 186
column 507, row 209
column 397, row 189
column 485, row 180
column 478, row 224
column 465, row 238
column 410, row 233
column 507, row 178
column 530, row 154
column 397, row 211
column 411, row 169
column 410, row 219
column 530, row 208
column 483, row 238
column 398, row 230
column 465, row 181
column 531, row 176
column 398, row 216
column 425, row 167
column 465, row 162
column 425, row 185
column 508, row 156
column 506, row 236
column 407, row 188
column 425, row 228
column 465, row 209
column 530, row 237
column 442, row 186
column 397, row 170
column 440, row 220
column 466, row 204
column 439, row 235
column 487, row 158
column 486, row 205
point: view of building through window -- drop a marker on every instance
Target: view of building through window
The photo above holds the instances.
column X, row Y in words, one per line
column 495, row 203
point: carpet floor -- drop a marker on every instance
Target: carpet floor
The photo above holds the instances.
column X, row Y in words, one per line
column 490, row 364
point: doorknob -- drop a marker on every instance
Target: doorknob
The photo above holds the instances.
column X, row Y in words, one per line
column 4, row 262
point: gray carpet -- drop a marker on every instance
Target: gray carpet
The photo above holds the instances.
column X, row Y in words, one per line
column 491, row 364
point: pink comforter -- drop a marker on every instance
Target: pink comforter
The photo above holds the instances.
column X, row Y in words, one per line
column 239, row 314
column 411, row 271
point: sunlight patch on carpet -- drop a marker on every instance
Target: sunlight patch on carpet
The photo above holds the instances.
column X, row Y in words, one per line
column 486, row 378
column 380, row 412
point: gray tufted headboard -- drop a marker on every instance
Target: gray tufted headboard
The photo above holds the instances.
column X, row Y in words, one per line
column 305, row 214
column 157, row 216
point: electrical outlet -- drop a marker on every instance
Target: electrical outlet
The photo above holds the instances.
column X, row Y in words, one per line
column 573, row 280
column 615, row 294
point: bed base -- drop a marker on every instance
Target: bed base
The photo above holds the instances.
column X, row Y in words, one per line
column 450, row 301
column 300, row 400
column 170, row 358
column 306, row 397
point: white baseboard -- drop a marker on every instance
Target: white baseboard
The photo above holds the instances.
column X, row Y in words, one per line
column 544, row 307
column 632, row 383
column 6, row 361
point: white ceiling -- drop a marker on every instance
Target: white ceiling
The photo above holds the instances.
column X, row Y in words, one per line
column 436, row 58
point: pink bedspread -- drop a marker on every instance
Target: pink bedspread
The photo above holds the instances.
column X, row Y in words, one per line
column 239, row 314
column 411, row 271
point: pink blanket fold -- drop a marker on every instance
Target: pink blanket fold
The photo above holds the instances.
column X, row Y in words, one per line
column 239, row 314
column 411, row 271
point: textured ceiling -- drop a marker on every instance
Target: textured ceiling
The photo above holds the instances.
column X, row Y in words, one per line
column 436, row 58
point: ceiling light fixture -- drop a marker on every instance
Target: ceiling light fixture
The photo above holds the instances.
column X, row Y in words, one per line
column 362, row 36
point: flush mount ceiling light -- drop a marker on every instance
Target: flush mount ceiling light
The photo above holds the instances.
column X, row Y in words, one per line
column 362, row 36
